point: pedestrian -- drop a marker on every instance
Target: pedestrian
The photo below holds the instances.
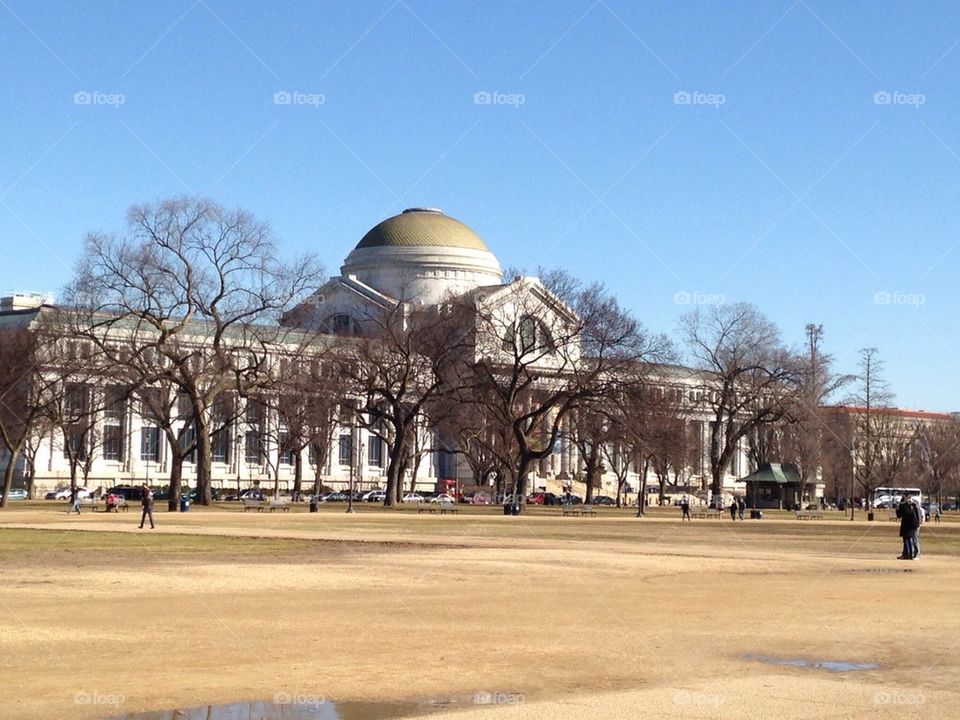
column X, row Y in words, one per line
column 921, row 518
column 936, row 514
column 685, row 508
column 741, row 506
column 733, row 509
column 147, row 502
column 908, row 524
column 75, row 505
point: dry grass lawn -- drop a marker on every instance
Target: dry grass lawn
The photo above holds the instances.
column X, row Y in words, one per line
column 607, row 617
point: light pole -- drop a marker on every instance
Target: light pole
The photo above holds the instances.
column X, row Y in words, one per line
column 353, row 463
column 853, row 476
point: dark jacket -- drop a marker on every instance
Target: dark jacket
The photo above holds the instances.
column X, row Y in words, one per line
column 147, row 501
column 909, row 520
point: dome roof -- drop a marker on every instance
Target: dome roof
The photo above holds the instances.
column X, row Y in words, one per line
column 422, row 227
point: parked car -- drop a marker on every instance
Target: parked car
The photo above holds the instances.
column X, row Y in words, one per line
column 443, row 498
column 478, row 498
column 413, row 498
column 603, row 500
column 64, row 494
column 16, row 494
column 127, row 492
column 378, row 496
column 336, row 497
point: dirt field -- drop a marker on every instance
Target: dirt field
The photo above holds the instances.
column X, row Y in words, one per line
column 607, row 617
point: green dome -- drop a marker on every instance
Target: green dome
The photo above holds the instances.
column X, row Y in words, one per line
column 422, row 227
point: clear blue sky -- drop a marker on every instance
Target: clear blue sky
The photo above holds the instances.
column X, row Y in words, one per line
column 785, row 180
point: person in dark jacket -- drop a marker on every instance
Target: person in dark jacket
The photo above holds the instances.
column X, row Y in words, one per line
column 685, row 509
column 733, row 509
column 147, row 502
column 909, row 522
column 741, row 507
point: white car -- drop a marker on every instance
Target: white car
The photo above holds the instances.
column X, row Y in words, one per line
column 412, row 498
column 444, row 499
column 64, row 494
column 375, row 496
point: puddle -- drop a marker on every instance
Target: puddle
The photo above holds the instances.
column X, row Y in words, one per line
column 830, row 665
column 311, row 710
column 881, row 570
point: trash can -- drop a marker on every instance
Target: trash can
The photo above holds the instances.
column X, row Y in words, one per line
column 508, row 508
column 870, row 516
column 756, row 514
column 313, row 503
column 184, row 503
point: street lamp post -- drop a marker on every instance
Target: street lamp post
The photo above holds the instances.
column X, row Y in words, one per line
column 353, row 463
column 853, row 476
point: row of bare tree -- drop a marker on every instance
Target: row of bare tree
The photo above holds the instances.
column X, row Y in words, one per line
column 191, row 315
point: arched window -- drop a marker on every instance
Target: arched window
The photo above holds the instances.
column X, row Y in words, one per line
column 528, row 334
column 341, row 324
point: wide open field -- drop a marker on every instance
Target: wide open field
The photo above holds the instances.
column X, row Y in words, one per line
column 607, row 617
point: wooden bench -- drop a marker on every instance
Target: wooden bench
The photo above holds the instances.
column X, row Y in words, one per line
column 283, row 505
column 588, row 510
column 442, row 508
column 251, row 504
column 809, row 514
column 706, row 513
column 571, row 509
column 121, row 504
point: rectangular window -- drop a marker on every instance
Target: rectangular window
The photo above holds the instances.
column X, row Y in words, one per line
column 220, row 444
column 150, row 444
column 375, row 452
column 286, row 453
column 114, row 420
column 345, row 449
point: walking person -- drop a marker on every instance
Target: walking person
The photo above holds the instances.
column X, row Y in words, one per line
column 908, row 525
column 147, row 502
column 936, row 514
column 741, row 506
column 685, row 508
column 733, row 509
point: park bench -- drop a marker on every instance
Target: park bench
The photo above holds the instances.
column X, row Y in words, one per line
column 251, row 504
column 809, row 514
column 705, row 513
column 88, row 503
column 121, row 504
column 571, row 509
column 442, row 508
column 588, row 510
column 277, row 504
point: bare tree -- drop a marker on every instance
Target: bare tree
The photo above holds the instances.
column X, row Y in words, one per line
column 872, row 430
column 404, row 357
column 545, row 351
column 803, row 438
column 938, row 459
column 200, row 285
column 748, row 378
column 27, row 399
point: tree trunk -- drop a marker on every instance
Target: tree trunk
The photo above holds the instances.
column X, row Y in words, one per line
column 8, row 477
column 297, row 473
column 204, row 459
column 520, row 482
column 176, row 481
